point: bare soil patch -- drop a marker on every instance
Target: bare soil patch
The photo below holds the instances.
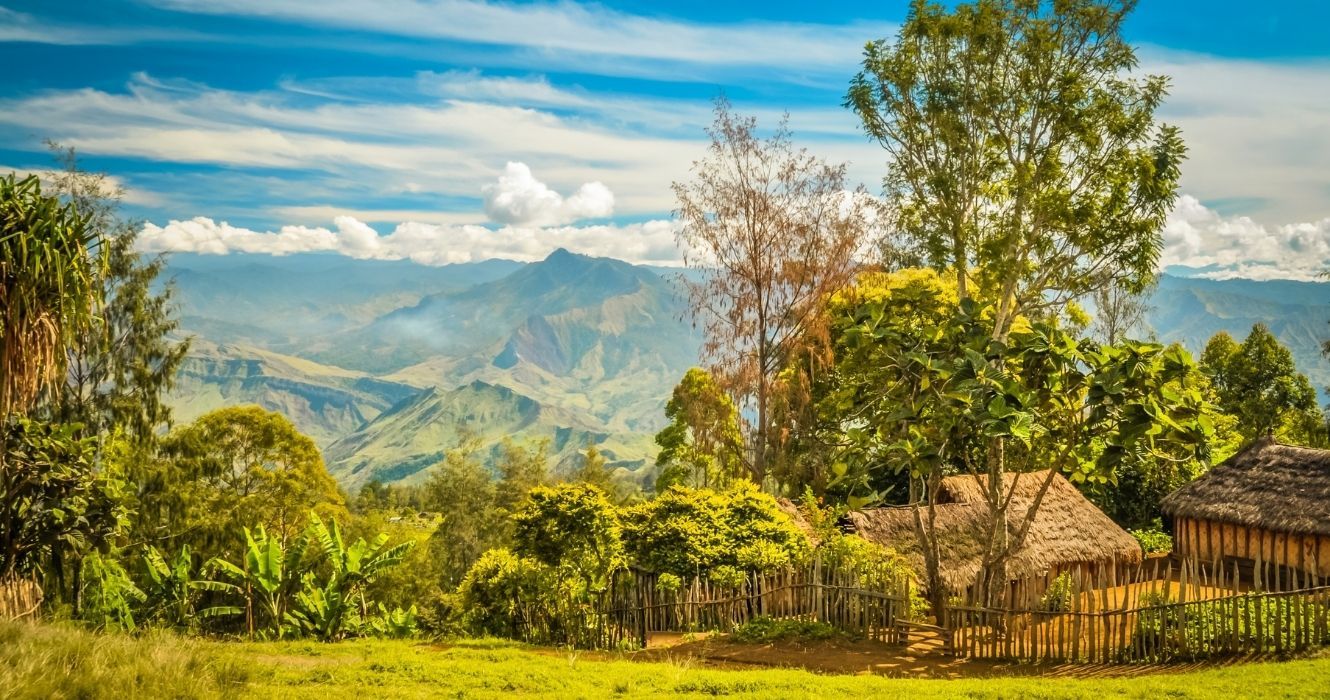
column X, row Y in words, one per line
column 921, row 659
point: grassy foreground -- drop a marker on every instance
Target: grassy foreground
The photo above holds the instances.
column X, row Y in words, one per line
column 63, row 662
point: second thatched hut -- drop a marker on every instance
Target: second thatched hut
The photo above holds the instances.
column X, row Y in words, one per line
column 1068, row 531
column 1270, row 502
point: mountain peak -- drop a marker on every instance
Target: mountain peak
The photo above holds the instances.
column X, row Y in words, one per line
column 563, row 259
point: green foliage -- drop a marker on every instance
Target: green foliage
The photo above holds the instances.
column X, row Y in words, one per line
column 48, row 290
column 1153, row 540
column 764, row 630
column 1258, row 383
column 703, row 444
column 462, row 489
column 233, row 468
column 332, row 608
column 686, row 532
column 594, row 472
column 669, row 583
column 1025, row 155
column 121, row 368
column 108, row 596
column 574, row 529
column 53, row 501
column 394, row 624
column 1188, row 631
column 500, row 595
column 953, row 398
column 269, row 576
column 173, row 590
column 1058, row 596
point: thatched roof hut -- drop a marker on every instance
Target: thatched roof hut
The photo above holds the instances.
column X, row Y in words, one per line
column 1269, row 501
column 1068, row 531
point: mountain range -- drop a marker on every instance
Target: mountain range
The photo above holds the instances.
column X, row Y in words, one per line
column 388, row 365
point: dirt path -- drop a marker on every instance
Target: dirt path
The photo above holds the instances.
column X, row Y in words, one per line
column 922, row 659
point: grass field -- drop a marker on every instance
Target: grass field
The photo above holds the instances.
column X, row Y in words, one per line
column 62, row 662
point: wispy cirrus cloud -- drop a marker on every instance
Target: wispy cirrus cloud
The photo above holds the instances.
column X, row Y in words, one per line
column 552, row 29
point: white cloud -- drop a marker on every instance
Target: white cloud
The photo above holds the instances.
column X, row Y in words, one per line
column 519, row 198
column 446, row 147
column 549, row 31
column 651, row 242
column 23, row 27
column 1197, row 236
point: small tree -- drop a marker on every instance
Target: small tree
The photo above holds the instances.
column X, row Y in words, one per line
column 53, row 501
column 119, row 370
column 770, row 230
column 1258, row 383
column 951, row 399
column 703, row 444
column 462, row 491
column 232, row 467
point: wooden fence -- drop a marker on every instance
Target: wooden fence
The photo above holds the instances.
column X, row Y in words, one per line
column 1163, row 611
column 638, row 604
column 19, row 598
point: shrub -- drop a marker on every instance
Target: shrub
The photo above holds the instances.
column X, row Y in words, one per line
column 1154, row 540
column 727, row 576
column 764, row 630
column 502, row 592
column 669, row 583
column 1058, row 596
column 687, row 532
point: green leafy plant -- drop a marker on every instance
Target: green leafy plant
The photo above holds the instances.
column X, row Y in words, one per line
column 174, row 591
column 1153, row 541
column 109, row 596
column 764, row 630
column 1058, row 596
column 394, row 624
column 269, row 577
column 329, row 609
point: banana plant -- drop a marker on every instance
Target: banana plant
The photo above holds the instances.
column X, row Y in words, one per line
column 175, row 592
column 328, row 609
column 269, row 577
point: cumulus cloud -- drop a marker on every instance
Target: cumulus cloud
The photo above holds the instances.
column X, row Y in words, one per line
column 1238, row 246
column 519, row 198
column 650, row 242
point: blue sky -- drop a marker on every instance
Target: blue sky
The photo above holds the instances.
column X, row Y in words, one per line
column 451, row 130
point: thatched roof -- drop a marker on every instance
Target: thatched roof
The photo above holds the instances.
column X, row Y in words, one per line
column 1268, row 485
column 791, row 509
column 1068, row 529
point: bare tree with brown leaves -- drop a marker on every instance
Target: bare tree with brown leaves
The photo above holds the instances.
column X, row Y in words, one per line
column 771, row 230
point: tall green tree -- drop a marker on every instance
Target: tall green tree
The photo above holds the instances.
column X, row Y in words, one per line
column 230, row 469
column 1025, row 153
column 1258, row 383
column 462, row 491
column 703, row 444
column 120, row 369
